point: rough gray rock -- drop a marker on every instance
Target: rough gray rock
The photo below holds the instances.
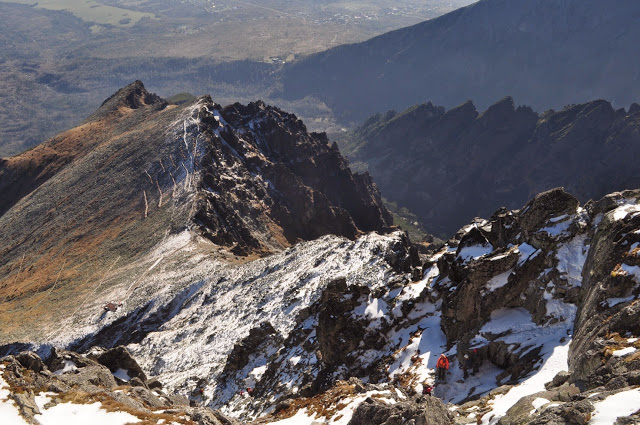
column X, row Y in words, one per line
column 601, row 324
column 31, row 360
column 92, row 381
column 119, row 358
column 422, row 410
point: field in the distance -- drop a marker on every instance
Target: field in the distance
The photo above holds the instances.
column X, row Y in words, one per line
column 90, row 11
column 59, row 59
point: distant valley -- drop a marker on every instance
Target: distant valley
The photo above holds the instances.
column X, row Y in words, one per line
column 60, row 59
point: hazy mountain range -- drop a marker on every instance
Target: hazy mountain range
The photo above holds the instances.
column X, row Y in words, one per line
column 546, row 54
column 450, row 166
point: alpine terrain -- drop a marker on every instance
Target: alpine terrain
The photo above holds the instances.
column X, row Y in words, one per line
column 451, row 166
column 200, row 264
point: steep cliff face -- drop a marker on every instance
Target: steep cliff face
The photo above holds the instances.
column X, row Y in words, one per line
column 607, row 319
column 262, row 171
column 86, row 204
column 450, row 166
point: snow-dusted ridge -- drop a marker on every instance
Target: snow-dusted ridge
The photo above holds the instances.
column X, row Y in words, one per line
column 209, row 307
column 291, row 325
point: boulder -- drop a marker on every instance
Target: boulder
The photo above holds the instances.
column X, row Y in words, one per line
column 90, row 379
column 560, row 378
column 119, row 358
column 544, row 206
column 422, row 410
column 62, row 358
column 31, row 360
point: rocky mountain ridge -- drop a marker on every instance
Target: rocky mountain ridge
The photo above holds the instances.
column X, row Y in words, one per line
column 547, row 295
column 451, row 166
column 241, row 181
column 155, row 232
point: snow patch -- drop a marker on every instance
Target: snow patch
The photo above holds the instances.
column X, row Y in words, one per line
column 558, row 228
column 633, row 271
column 615, row 301
column 623, row 211
column 82, row 414
column 527, row 252
column 615, row 406
column 122, row 374
column 373, row 309
column 555, row 362
column 512, row 320
column 474, row 252
column 624, row 352
column 69, row 366
column 498, row 281
column 539, row 402
column 571, row 258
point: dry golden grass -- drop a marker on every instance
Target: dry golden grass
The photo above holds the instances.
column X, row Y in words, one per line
column 324, row 405
column 110, row 405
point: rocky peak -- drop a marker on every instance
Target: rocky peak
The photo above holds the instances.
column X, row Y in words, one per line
column 293, row 180
column 249, row 179
column 463, row 113
column 132, row 96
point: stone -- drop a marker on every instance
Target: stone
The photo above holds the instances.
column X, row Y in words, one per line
column 31, row 360
column 120, row 358
column 578, row 413
column 560, row 378
column 153, row 384
column 90, row 378
column 430, row 411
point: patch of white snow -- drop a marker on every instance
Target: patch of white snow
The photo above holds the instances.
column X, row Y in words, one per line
column 122, row 374
column 615, row 406
column 474, row 252
column 498, row 281
column 623, row 352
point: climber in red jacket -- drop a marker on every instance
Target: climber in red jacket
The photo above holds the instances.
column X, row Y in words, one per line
column 441, row 368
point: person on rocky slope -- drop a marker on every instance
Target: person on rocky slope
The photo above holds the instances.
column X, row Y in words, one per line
column 441, row 368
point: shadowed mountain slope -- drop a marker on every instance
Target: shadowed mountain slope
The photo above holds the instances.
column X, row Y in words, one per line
column 450, row 166
column 544, row 53
column 87, row 203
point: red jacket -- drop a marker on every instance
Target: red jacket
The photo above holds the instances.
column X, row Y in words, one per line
column 443, row 362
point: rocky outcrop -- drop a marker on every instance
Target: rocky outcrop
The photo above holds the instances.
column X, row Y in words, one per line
column 260, row 163
column 77, row 379
column 609, row 311
column 490, row 259
column 118, row 358
column 417, row 411
column 450, row 166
